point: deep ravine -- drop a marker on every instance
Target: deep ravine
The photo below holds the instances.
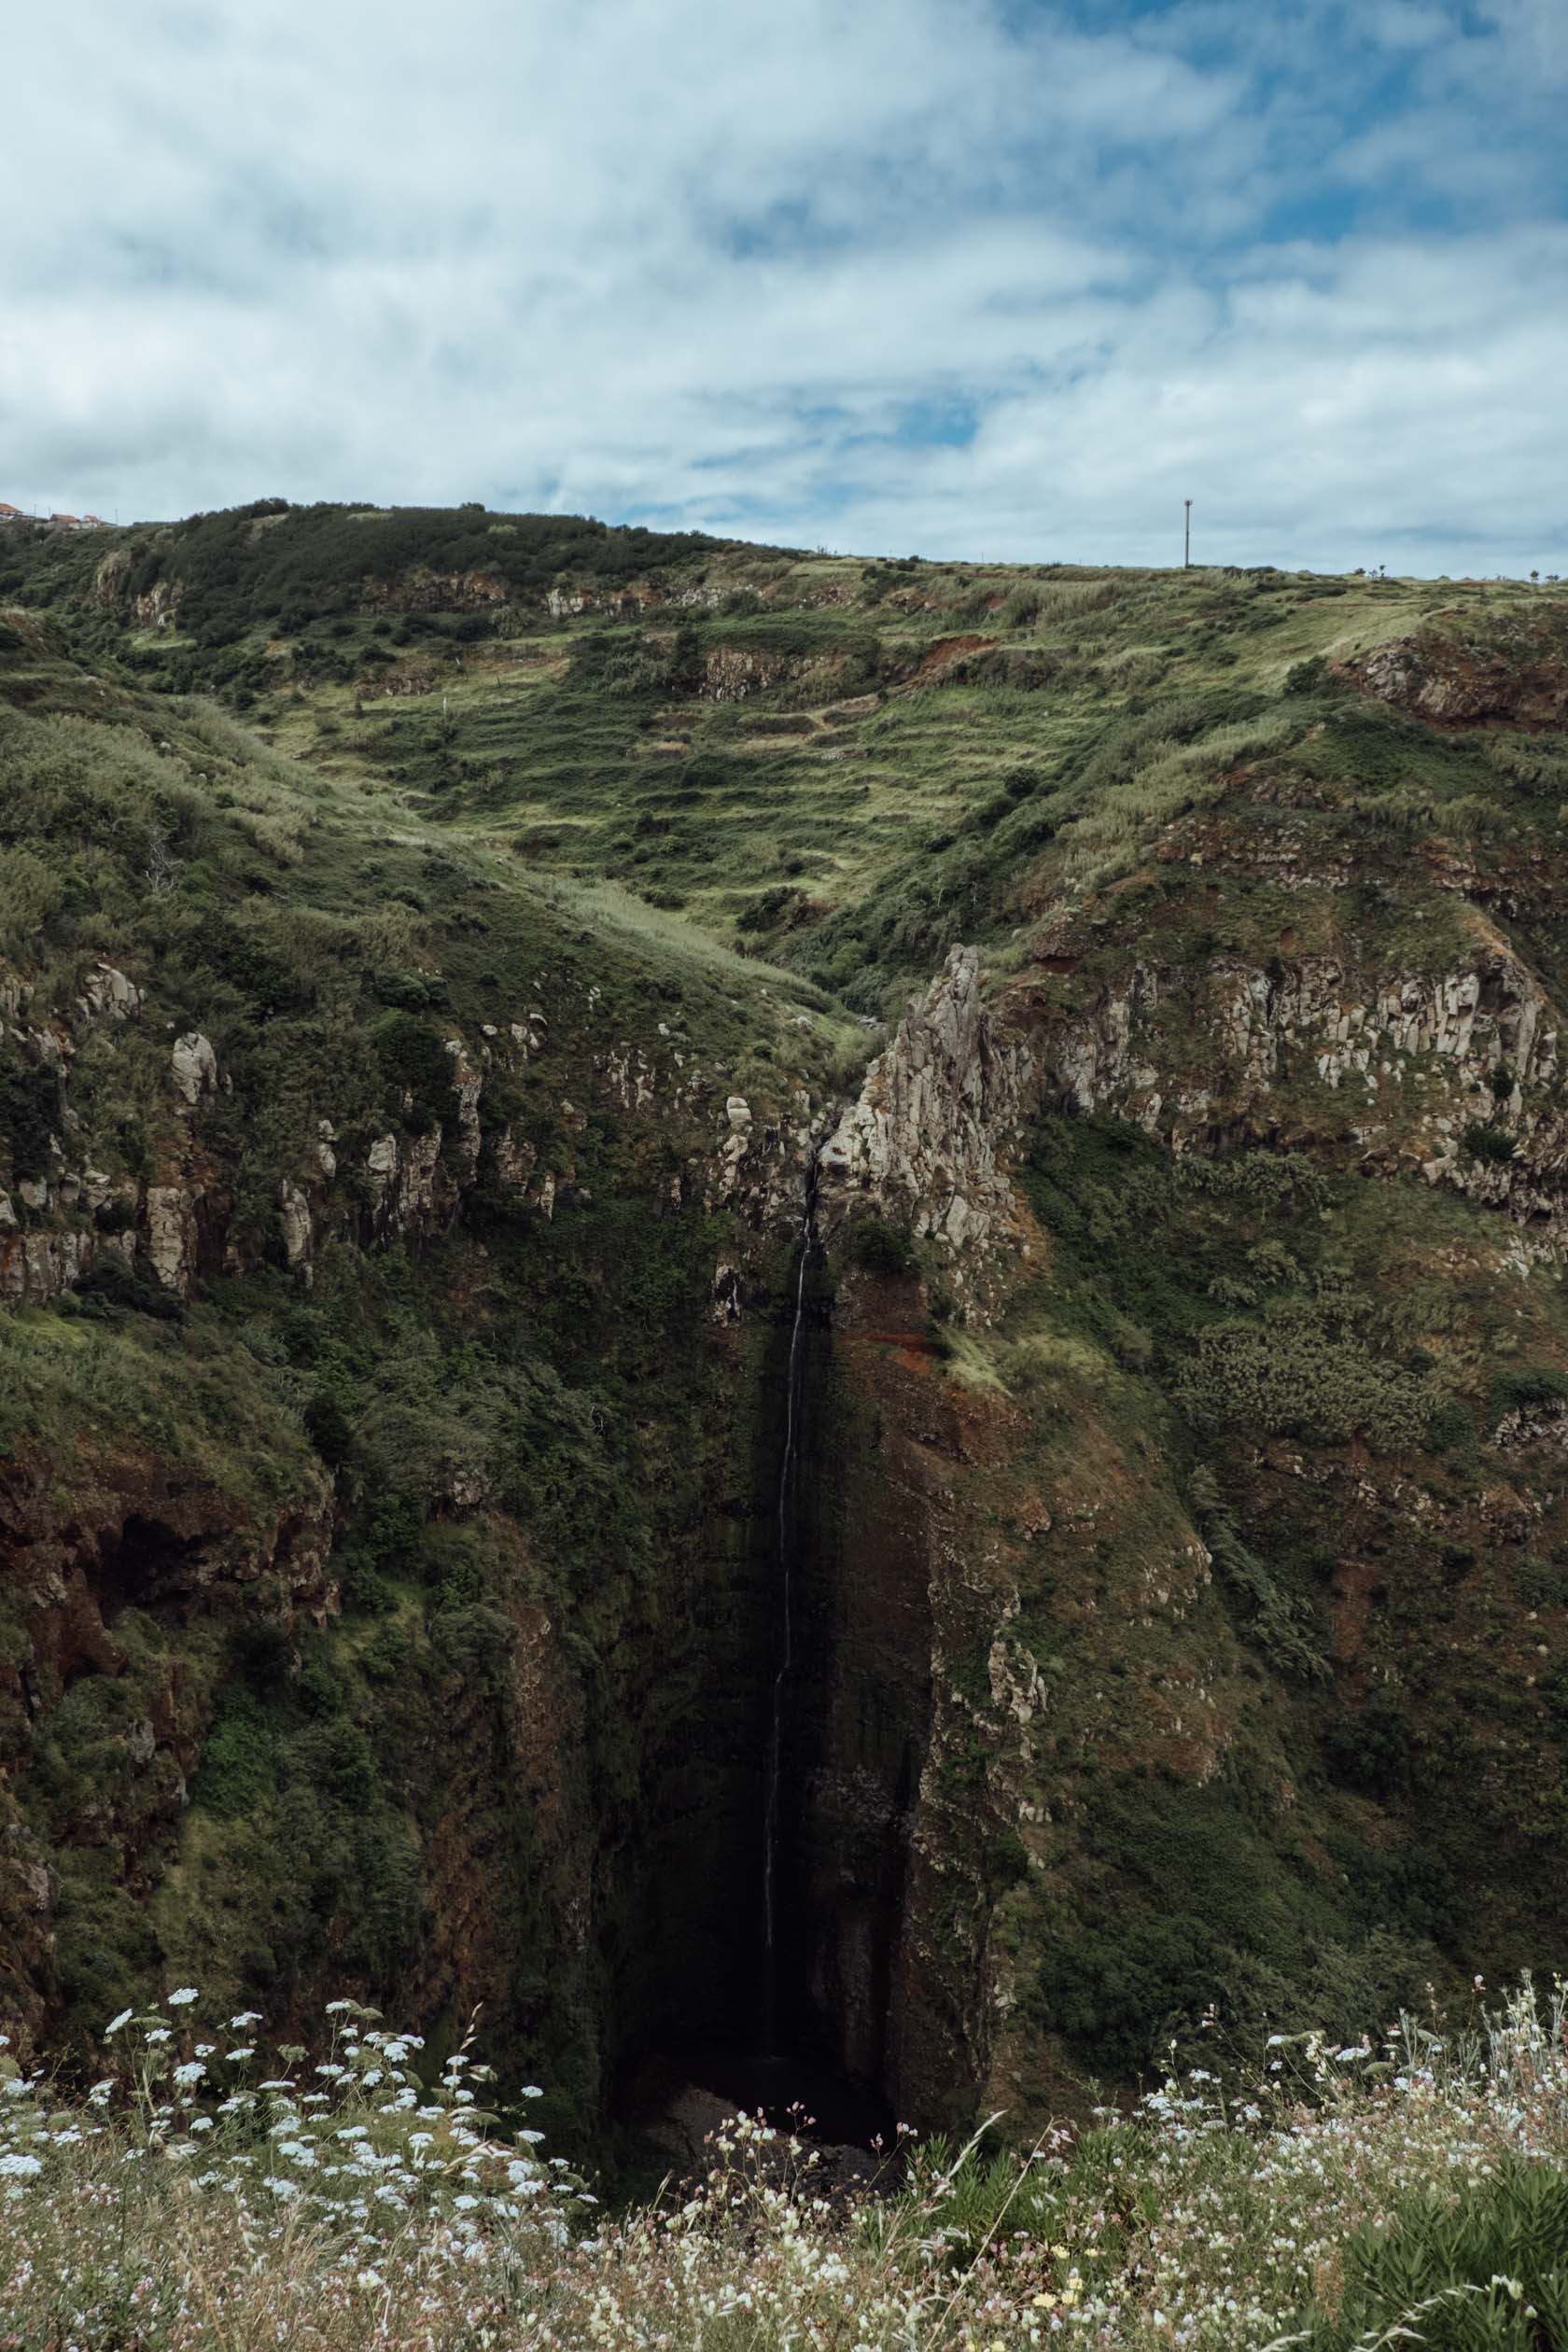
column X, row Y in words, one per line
column 786, row 1534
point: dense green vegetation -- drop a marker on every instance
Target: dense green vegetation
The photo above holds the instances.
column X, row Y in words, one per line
column 1228, row 1313
column 505, row 1424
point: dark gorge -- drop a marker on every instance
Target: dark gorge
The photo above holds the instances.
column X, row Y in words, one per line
column 804, row 2000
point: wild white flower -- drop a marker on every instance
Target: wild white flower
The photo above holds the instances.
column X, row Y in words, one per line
column 115, row 2023
column 191, row 2072
column 183, row 1998
column 102, row 2092
column 245, row 2019
column 19, row 2167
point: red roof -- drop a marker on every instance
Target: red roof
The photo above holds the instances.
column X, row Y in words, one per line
column 10, row 509
column 64, row 518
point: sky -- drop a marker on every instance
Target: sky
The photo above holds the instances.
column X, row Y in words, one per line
column 978, row 278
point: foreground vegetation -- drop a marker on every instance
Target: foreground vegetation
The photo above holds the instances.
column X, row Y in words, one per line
column 207, row 2193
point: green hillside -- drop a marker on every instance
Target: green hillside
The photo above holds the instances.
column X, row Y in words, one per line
column 433, row 948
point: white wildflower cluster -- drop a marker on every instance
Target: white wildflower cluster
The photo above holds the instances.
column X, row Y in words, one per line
column 390, row 2165
column 207, row 2190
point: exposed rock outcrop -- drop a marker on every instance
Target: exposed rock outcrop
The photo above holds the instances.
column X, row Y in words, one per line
column 195, row 1067
column 927, row 1140
column 171, row 1236
column 1456, row 684
column 1403, row 1068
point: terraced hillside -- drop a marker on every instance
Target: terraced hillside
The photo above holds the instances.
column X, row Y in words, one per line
column 416, row 1073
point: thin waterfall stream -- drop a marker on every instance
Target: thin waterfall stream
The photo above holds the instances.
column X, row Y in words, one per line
column 784, row 1521
column 769, row 2039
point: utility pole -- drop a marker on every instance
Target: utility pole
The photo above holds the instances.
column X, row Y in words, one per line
column 1187, row 537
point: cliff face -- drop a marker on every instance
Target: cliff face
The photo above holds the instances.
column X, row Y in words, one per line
column 989, row 1536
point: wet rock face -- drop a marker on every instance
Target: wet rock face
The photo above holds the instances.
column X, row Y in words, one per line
column 891, row 1825
column 861, row 1726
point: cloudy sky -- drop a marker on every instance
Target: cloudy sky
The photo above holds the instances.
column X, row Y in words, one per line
column 980, row 277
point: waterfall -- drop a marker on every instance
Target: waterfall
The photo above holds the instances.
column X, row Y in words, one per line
column 795, row 1396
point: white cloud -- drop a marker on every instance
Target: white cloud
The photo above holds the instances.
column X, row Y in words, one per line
column 656, row 257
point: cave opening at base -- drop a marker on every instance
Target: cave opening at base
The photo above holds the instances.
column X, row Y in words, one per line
column 776, row 1990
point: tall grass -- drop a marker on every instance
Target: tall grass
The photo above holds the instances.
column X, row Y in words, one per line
column 204, row 2193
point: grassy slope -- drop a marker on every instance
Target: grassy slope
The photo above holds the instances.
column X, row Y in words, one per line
column 557, row 1378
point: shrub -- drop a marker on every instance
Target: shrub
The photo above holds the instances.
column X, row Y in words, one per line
column 1116, row 1991
column 334, row 1758
column 1541, row 1584
column 1450, row 1427
column 767, row 910
column 1370, row 1751
column 328, row 1429
column 1488, row 1144
column 878, row 1247
column 1303, row 1370
column 1482, row 2267
column 263, row 1658
column 30, row 1113
column 1518, row 1392
column 416, row 1059
column 109, row 1284
column 239, row 1763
